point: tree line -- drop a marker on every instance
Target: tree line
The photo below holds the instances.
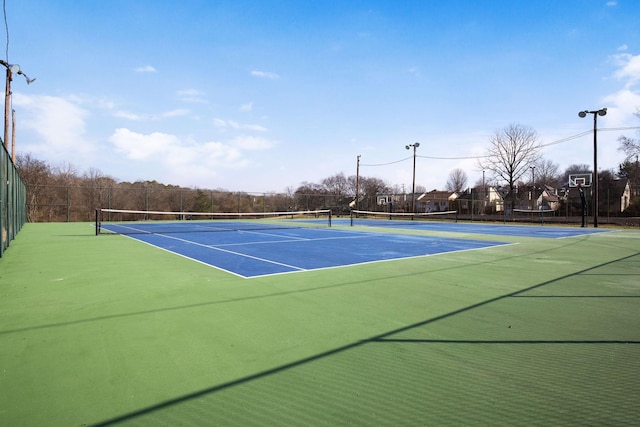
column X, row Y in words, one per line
column 513, row 158
column 60, row 193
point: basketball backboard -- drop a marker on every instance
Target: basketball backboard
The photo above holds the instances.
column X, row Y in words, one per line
column 580, row 180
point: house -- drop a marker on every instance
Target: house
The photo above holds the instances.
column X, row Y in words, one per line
column 548, row 200
column 477, row 201
column 435, row 201
column 616, row 197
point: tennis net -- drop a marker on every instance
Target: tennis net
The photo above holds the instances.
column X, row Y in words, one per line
column 396, row 218
column 122, row 221
column 533, row 215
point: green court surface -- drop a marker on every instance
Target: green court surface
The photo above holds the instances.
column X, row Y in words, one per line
column 106, row 330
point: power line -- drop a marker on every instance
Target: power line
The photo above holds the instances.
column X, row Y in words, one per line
column 567, row 139
column 559, row 141
column 6, row 29
column 454, row 158
column 390, row 163
column 619, row 129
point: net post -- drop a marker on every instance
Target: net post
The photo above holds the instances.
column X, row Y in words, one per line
column 351, row 217
column 97, row 222
column 329, row 217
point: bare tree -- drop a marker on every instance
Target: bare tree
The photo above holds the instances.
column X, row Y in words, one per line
column 97, row 188
column 336, row 187
column 36, row 174
column 513, row 151
column 575, row 169
column 336, row 184
column 371, row 187
column 457, row 180
column 629, row 146
column 547, row 173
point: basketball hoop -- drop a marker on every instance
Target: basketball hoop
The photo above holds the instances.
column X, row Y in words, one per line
column 580, row 180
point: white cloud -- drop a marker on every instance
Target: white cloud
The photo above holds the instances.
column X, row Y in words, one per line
column 129, row 116
column 58, row 125
column 265, row 74
column 623, row 47
column 253, row 143
column 624, row 103
column 175, row 113
column 178, row 157
column 247, row 107
column 612, row 3
column 622, row 106
column 224, row 124
column 231, row 124
column 256, row 128
column 146, row 69
column 138, row 146
column 191, row 95
column 219, row 123
column 629, row 67
column 149, row 117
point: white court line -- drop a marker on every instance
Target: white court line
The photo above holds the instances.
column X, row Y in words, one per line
column 295, row 239
column 358, row 235
column 386, row 260
column 230, row 252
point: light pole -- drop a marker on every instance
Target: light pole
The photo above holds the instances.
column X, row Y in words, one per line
column 596, row 113
column 355, row 205
column 533, row 188
column 413, row 187
column 11, row 69
column 484, row 195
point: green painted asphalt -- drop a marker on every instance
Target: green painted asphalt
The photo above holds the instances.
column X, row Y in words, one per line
column 105, row 330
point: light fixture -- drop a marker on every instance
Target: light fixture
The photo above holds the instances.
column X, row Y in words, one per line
column 413, row 190
column 596, row 113
column 11, row 69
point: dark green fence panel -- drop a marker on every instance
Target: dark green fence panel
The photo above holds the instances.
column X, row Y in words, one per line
column 13, row 212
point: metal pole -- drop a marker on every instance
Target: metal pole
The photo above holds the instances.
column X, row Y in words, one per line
column 357, row 182
column 596, row 113
column 7, row 103
column 13, row 136
column 484, row 195
column 413, row 188
column 595, row 169
column 533, row 190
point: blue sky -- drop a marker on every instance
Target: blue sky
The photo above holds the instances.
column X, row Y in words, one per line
column 261, row 96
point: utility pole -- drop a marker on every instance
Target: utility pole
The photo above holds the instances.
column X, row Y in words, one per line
column 357, row 182
column 596, row 113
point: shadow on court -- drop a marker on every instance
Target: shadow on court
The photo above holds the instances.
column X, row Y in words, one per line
column 392, row 376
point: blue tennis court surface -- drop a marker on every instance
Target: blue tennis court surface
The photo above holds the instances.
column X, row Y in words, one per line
column 552, row 232
column 253, row 253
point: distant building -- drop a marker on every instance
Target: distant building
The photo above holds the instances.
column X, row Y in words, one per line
column 478, row 201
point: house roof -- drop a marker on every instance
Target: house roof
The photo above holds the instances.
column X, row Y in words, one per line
column 435, row 195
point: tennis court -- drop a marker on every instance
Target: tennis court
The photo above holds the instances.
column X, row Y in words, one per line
column 112, row 330
column 272, row 243
column 450, row 224
column 262, row 252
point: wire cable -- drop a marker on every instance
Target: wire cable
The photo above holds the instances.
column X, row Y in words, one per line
column 6, row 29
column 559, row 141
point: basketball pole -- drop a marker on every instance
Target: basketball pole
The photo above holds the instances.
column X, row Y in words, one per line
column 583, row 203
column 595, row 171
column 596, row 113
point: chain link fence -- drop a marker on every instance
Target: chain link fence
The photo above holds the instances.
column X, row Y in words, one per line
column 67, row 203
column 70, row 203
column 12, row 200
